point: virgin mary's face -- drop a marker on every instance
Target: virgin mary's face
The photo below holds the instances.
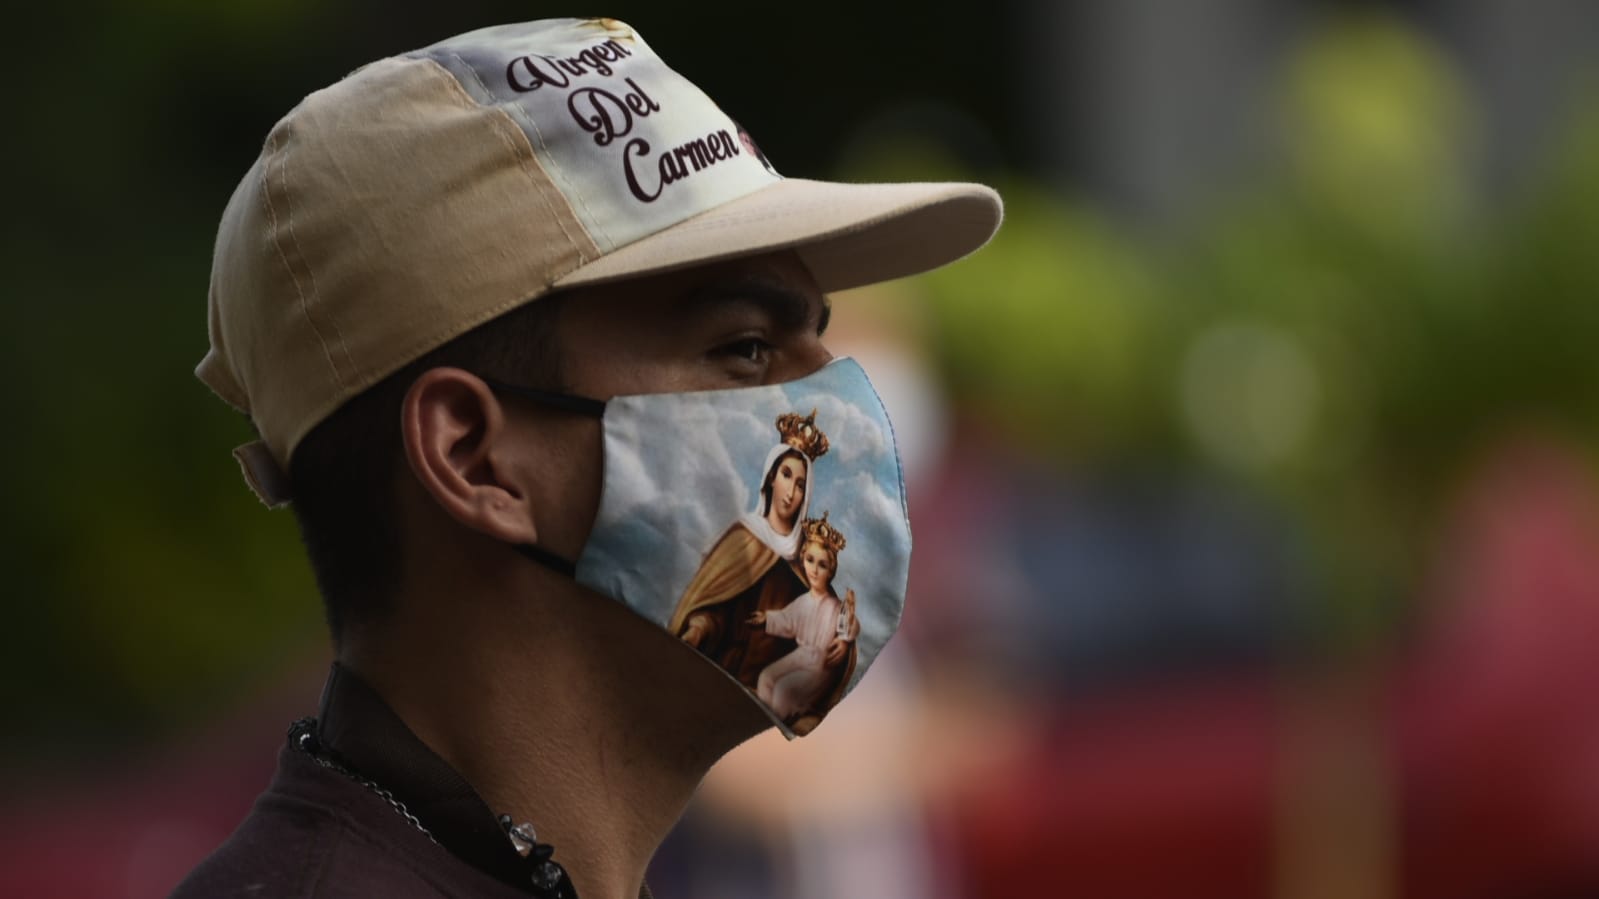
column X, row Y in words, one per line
column 788, row 494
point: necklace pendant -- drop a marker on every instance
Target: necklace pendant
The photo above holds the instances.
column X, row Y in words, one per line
column 547, row 876
column 523, row 838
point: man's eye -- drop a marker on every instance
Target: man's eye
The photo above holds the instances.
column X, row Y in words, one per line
column 750, row 349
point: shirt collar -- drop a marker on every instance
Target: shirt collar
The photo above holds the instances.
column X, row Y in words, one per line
column 366, row 736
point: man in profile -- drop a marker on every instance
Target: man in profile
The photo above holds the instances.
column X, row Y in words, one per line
column 465, row 295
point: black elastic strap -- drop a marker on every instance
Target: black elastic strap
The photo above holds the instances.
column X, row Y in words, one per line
column 579, row 404
column 548, row 559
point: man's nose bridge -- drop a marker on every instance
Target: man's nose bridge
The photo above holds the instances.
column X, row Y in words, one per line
column 804, row 359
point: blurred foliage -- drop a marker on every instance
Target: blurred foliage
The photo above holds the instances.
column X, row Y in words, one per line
column 1343, row 334
column 147, row 588
column 1346, row 335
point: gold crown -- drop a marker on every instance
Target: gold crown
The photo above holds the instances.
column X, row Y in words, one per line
column 817, row 530
column 803, row 434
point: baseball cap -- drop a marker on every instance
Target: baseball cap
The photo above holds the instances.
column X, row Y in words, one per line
column 427, row 193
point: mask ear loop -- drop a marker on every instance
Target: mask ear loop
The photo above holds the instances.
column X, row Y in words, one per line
column 539, row 554
column 566, row 402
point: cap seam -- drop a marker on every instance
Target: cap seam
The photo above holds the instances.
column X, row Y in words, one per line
column 597, row 221
column 581, row 245
column 533, row 153
column 544, row 145
column 277, row 244
column 310, row 273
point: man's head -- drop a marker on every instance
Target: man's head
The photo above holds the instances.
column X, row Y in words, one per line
column 745, row 322
column 543, row 205
column 345, row 471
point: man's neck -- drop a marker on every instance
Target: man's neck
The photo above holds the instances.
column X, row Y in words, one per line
column 589, row 724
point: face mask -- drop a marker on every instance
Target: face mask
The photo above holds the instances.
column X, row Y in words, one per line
column 765, row 526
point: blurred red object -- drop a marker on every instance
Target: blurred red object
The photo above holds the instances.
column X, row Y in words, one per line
column 1496, row 724
column 1485, row 733
column 133, row 829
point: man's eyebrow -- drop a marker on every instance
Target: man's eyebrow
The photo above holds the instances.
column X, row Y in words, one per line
column 788, row 308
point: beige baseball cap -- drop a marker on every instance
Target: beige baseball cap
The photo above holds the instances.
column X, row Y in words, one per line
column 427, row 193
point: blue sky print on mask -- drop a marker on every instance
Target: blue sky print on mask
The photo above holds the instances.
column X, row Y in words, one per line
column 683, row 470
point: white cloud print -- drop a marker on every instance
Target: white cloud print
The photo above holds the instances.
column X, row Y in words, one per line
column 854, row 435
column 669, row 492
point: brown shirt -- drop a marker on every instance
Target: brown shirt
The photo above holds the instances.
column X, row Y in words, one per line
column 318, row 832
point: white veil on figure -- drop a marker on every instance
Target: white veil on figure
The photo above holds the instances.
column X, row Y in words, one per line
column 786, row 546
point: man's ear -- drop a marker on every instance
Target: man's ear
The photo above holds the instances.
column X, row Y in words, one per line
column 453, row 428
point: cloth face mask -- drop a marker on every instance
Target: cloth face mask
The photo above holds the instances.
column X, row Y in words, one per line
column 764, row 526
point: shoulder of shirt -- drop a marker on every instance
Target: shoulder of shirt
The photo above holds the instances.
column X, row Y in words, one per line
column 299, row 845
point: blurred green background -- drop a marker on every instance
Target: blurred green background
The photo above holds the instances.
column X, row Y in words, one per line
column 148, row 589
column 1329, row 256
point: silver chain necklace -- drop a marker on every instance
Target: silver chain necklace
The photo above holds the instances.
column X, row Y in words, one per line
column 547, row 875
column 305, row 742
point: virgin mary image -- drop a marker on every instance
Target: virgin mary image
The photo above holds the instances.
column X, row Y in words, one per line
column 752, row 567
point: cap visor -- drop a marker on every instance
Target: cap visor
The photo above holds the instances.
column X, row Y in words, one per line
column 848, row 235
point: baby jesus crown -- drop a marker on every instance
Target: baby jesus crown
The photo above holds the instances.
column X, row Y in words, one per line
column 817, row 530
column 803, row 434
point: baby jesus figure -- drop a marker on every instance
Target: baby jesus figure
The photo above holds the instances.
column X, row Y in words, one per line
column 817, row 620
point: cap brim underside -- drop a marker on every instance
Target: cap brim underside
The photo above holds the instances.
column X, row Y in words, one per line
column 849, row 235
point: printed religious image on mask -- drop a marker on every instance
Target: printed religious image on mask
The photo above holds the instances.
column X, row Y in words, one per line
column 763, row 526
column 763, row 604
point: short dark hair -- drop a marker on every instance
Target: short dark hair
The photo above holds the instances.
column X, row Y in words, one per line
column 343, row 471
